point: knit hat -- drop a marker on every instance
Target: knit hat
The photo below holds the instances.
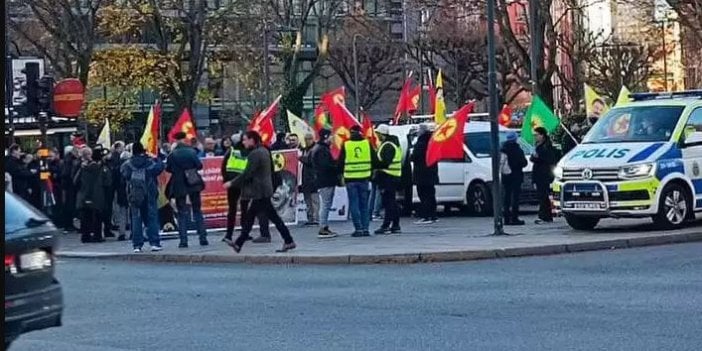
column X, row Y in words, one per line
column 512, row 136
column 324, row 133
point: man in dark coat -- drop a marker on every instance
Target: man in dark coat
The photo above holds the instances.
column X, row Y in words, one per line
column 309, row 180
column 184, row 159
column 388, row 177
column 256, row 183
column 91, row 180
column 512, row 181
column 71, row 165
column 544, row 160
column 425, row 178
column 21, row 175
column 326, row 180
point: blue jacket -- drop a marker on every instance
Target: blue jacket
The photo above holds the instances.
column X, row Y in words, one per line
column 153, row 167
column 182, row 158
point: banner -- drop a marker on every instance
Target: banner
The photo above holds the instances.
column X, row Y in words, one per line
column 339, row 211
column 214, row 197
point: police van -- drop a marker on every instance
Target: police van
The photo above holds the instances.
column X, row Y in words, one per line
column 464, row 183
column 643, row 159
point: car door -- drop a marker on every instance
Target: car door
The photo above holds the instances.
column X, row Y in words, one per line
column 452, row 180
column 692, row 153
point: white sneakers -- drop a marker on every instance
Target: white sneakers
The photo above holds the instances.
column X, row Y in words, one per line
column 155, row 248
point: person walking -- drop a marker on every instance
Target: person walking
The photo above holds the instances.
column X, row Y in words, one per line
column 424, row 177
column 357, row 159
column 512, row 166
column 309, row 181
column 327, row 179
column 544, row 160
column 256, row 182
column 91, row 180
column 186, row 183
column 388, row 176
column 233, row 164
column 141, row 176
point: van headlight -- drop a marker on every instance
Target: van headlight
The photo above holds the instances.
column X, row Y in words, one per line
column 642, row 170
column 558, row 172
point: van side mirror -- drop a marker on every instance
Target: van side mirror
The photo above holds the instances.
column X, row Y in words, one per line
column 693, row 139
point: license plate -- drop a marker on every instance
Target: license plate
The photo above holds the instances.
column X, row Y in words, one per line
column 34, row 260
column 587, row 206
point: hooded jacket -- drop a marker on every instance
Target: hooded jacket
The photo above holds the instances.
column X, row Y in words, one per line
column 153, row 168
column 423, row 175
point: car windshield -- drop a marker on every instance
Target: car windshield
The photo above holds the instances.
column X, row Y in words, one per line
column 635, row 124
column 19, row 215
column 479, row 143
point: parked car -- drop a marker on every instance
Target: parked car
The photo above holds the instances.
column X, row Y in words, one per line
column 33, row 296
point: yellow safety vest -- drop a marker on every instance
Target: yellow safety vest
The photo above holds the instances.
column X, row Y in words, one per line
column 357, row 162
column 395, row 167
column 236, row 163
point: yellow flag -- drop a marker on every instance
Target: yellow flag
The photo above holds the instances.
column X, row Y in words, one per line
column 151, row 131
column 623, row 97
column 439, row 104
column 104, row 137
column 595, row 105
column 300, row 127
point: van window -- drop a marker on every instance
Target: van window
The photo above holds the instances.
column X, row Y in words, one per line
column 479, row 143
column 635, row 124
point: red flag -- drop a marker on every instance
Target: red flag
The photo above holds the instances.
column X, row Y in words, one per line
column 505, row 117
column 183, row 124
column 263, row 122
column 342, row 119
column 369, row 132
column 447, row 140
column 402, row 101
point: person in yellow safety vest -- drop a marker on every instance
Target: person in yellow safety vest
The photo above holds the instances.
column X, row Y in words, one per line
column 388, row 177
column 233, row 164
column 357, row 159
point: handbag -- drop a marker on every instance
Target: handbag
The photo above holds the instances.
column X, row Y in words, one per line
column 193, row 178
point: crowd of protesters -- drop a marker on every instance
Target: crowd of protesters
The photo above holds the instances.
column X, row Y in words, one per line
column 116, row 187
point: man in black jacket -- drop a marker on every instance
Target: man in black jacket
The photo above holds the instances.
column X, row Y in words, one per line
column 512, row 178
column 183, row 159
column 544, row 159
column 21, row 175
column 388, row 177
column 309, row 181
column 327, row 179
column 425, row 178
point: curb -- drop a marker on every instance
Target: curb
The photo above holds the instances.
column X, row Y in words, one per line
column 408, row 258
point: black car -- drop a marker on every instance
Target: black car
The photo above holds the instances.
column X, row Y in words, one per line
column 33, row 297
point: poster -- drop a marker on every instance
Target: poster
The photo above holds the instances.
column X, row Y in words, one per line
column 214, row 197
column 339, row 211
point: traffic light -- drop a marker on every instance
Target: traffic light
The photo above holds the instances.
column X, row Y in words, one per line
column 31, row 72
column 46, row 94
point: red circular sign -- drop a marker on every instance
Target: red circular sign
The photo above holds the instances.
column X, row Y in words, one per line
column 69, row 96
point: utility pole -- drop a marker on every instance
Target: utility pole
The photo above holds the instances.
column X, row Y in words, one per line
column 494, row 125
column 9, row 80
column 534, row 46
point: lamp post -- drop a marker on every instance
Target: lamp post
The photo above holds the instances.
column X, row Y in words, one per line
column 355, row 73
column 494, row 126
column 266, row 67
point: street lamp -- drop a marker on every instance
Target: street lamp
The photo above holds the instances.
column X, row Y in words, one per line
column 355, row 73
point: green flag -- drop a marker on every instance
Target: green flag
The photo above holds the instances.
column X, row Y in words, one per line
column 623, row 98
column 538, row 115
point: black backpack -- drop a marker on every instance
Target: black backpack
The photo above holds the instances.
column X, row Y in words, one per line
column 137, row 190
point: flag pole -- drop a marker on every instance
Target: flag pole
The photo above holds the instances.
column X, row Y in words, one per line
column 494, row 125
column 569, row 133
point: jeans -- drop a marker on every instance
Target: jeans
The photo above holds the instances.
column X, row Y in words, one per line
column 145, row 215
column 121, row 214
column 312, row 202
column 326, row 197
column 376, row 201
column 184, row 217
column 543, row 190
column 388, row 192
column 512, row 191
column 427, row 199
column 358, row 193
column 262, row 206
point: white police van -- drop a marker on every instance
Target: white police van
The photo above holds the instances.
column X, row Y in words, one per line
column 643, row 159
column 463, row 183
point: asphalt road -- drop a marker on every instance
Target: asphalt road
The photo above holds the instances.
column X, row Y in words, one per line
column 636, row 299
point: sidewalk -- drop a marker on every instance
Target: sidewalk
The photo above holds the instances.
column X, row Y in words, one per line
column 451, row 239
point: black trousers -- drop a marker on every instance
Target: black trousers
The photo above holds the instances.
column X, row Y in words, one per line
column 233, row 199
column 512, row 191
column 427, row 199
column 107, row 212
column 543, row 190
column 90, row 220
column 262, row 206
column 388, row 192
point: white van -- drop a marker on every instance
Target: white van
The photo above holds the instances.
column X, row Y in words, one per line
column 465, row 183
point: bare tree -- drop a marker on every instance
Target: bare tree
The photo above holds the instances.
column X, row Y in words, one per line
column 62, row 31
column 690, row 16
column 617, row 64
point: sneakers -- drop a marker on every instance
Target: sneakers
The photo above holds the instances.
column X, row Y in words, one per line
column 382, row 230
column 376, row 218
column 311, row 224
column 137, row 250
column 360, row 233
column 542, row 221
column 156, row 248
column 514, row 222
column 396, row 230
column 424, row 221
column 326, row 233
column 204, row 242
column 261, row 240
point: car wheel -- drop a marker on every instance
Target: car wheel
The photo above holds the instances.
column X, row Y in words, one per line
column 674, row 207
column 479, row 200
column 581, row 222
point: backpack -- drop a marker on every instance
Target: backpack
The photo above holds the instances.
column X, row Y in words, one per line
column 137, row 190
column 504, row 164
